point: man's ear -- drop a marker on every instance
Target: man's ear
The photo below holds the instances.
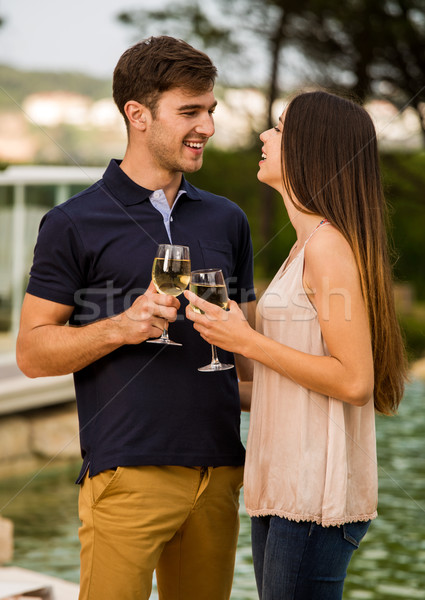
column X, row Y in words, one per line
column 137, row 114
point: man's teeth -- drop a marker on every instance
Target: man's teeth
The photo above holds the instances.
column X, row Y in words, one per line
column 263, row 156
column 198, row 145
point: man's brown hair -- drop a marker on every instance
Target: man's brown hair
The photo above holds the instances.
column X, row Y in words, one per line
column 156, row 65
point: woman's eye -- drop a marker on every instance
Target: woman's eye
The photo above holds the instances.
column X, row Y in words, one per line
column 277, row 129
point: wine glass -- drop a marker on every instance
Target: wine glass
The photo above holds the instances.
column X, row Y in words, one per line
column 170, row 275
column 209, row 284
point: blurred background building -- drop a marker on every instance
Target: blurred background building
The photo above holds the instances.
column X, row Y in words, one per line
column 58, row 130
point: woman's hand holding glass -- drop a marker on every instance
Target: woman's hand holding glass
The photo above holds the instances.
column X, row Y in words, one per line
column 227, row 329
column 210, row 284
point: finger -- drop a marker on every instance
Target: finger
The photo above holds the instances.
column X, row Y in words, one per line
column 190, row 313
column 168, row 313
column 207, row 307
column 200, row 329
column 166, row 300
column 194, row 315
column 157, row 325
column 234, row 310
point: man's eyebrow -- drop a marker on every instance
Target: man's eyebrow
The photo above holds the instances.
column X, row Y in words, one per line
column 194, row 106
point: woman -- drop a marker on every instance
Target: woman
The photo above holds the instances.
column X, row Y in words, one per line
column 327, row 349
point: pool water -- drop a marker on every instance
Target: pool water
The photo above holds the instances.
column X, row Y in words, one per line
column 390, row 563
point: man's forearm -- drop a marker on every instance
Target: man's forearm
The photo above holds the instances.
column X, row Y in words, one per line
column 60, row 349
column 46, row 346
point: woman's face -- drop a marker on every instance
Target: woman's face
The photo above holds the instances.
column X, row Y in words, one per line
column 271, row 163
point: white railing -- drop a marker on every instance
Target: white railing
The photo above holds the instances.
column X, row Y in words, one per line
column 19, row 222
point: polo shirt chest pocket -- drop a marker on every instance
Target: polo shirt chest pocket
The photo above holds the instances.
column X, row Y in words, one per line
column 217, row 255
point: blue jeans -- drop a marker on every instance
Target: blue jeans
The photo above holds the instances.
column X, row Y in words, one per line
column 302, row 561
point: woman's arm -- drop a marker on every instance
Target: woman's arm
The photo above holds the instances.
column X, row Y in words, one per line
column 333, row 282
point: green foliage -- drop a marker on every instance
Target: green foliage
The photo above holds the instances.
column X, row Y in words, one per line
column 17, row 84
column 413, row 327
column 404, row 184
column 233, row 174
column 362, row 47
column 186, row 20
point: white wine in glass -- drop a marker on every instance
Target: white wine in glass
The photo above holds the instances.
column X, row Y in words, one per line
column 170, row 275
column 209, row 285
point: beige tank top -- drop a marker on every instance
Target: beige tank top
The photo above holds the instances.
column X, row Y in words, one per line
column 309, row 457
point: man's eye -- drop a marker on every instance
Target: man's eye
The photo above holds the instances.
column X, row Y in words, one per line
column 190, row 113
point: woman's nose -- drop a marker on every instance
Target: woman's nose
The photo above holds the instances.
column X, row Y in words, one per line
column 263, row 136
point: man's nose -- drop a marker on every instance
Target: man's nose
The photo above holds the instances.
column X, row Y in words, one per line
column 206, row 125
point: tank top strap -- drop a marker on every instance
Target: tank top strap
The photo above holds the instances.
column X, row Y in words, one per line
column 323, row 222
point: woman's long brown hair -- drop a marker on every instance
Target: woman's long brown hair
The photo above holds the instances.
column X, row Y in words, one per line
column 330, row 165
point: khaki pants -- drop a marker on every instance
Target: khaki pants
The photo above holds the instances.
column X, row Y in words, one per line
column 181, row 521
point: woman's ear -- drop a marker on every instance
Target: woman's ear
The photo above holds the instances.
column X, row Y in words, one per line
column 137, row 114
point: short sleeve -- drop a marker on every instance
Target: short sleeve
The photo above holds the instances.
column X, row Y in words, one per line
column 58, row 267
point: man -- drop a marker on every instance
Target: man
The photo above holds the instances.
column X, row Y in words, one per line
column 162, row 457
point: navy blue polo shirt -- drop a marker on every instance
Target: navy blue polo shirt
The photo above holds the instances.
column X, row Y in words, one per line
column 145, row 404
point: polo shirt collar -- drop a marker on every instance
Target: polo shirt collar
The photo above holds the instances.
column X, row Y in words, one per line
column 128, row 192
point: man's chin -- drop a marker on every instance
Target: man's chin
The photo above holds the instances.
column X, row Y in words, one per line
column 192, row 168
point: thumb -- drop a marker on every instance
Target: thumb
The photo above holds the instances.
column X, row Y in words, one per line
column 234, row 308
column 151, row 289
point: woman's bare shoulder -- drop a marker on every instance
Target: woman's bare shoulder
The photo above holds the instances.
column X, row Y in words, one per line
column 328, row 251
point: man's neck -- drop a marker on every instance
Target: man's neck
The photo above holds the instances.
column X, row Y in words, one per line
column 151, row 178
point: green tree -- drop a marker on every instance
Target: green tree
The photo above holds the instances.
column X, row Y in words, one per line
column 231, row 28
column 370, row 47
column 364, row 46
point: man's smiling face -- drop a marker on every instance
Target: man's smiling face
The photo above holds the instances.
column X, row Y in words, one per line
column 176, row 137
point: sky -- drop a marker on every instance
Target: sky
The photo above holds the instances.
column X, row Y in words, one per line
column 59, row 35
column 85, row 36
column 81, row 35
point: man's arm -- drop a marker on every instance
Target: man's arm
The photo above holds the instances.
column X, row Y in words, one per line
column 245, row 394
column 47, row 346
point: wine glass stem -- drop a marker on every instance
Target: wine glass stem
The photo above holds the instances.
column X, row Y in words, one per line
column 214, row 359
column 164, row 334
